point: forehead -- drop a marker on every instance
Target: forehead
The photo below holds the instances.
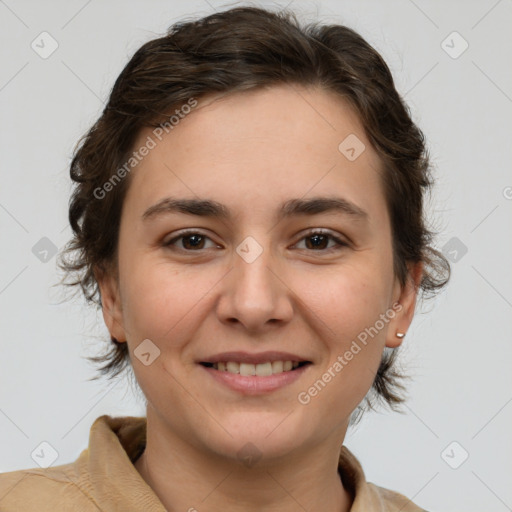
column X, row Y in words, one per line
column 253, row 148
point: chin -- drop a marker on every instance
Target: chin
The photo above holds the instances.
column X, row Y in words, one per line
column 258, row 435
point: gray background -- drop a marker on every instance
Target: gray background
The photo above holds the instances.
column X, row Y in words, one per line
column 458, row 349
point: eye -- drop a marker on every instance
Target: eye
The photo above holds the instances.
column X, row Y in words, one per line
column 319, row 238
column 195, row 241
column 191, row 240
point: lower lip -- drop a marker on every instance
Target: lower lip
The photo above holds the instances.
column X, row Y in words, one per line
column 254, row 385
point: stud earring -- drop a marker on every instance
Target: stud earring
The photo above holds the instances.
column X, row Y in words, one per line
column 400, row 334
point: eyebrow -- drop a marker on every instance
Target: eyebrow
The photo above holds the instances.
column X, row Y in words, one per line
column 292, row 207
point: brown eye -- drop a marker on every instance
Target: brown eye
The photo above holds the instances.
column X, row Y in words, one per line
column 190, row 241
column 193, row 241
column 319, row 240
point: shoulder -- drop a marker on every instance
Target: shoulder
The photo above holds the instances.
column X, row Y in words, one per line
column 392, row 501
column 43, row 490
column 85, row 484
column 367, row 495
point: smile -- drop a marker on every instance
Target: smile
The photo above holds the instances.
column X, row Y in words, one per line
column 259, row 370
column 250, row 373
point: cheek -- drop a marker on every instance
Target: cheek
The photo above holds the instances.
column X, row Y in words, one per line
column 346, row 299
column 165, row 306
column 350, row 307
column 161, row 302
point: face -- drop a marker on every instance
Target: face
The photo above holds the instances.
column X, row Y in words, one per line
column 269, row 281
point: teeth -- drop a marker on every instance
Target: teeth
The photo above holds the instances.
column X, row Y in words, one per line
column 247, row 369
column 277, row 367
column 263, row 369
column 232, row 367
column 259, row 370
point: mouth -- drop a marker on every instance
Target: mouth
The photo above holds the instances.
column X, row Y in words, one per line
column 264, row 369
column 255, row 374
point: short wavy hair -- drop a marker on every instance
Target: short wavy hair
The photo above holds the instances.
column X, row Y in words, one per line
column 231, row 51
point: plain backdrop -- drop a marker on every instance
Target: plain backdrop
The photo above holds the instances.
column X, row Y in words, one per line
column 451, row 449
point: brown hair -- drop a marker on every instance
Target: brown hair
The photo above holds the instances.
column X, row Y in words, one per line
column 234, row 50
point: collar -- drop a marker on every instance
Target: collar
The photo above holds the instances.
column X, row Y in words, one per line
column 105, row 472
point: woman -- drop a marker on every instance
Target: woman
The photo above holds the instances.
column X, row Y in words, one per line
column 248, row 213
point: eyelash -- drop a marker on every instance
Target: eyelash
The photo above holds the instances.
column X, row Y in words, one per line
column 340, row 243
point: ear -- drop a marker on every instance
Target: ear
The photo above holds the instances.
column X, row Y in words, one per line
column 406, row 296
column 111, row 303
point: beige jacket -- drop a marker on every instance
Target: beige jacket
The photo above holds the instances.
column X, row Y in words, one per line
column 104, row 479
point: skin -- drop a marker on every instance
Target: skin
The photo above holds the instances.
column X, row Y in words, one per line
column 252, row 151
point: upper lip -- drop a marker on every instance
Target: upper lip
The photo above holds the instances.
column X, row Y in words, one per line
column 258, row 358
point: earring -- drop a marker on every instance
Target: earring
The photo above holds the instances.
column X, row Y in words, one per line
column 400, row 334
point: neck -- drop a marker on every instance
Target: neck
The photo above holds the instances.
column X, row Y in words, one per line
column 184, row 478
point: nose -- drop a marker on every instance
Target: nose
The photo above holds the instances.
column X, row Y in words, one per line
column 255, row 296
